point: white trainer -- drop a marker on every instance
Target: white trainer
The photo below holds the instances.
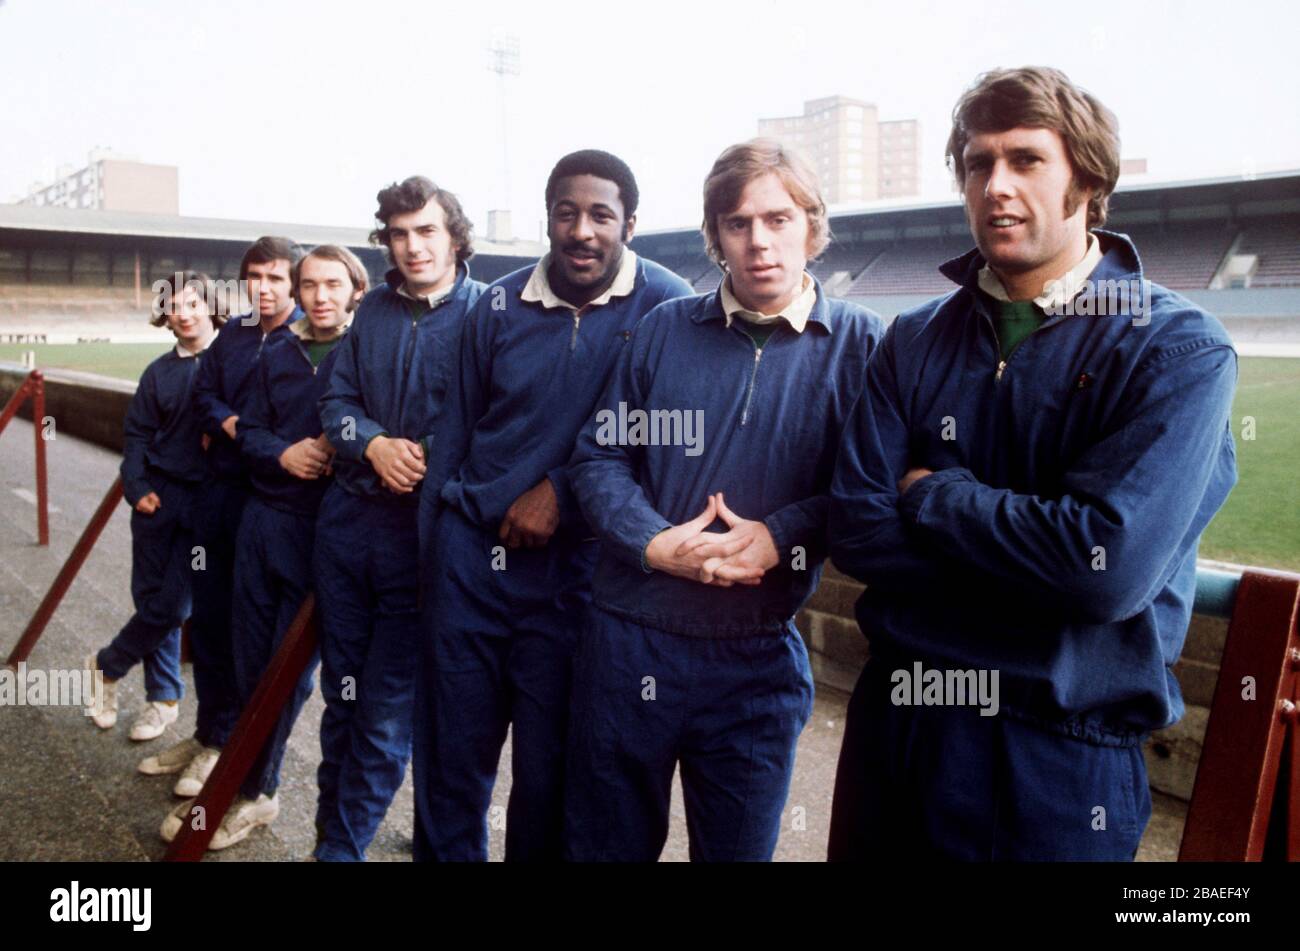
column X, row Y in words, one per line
column 153, row 720
column 171, row 760
column 102, row 708
column 175, row 819
column 244, row 816
column 196, row 773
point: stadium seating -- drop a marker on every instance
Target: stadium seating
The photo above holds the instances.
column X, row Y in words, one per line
column 1185, row 258
column 710, row 280
column 73, row 310
column 1277, row 245
column 909, row 267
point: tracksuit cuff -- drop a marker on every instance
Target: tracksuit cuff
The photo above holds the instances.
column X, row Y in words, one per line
column 911, row 503
column 134, row 490
column 649, row 537
column 563, row 491
column 779, row 531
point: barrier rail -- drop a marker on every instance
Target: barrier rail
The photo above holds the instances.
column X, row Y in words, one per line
column 33, row 388
column 1245, row 804
column 246, row 742
column 63, row 580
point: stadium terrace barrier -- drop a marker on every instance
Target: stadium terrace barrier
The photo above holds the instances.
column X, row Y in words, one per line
column 86, row 405
column 33, row 388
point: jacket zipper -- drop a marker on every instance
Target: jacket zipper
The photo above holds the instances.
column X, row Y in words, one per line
column 302, row 350
column 410, row 351
column 1002, row 363
column 573, row 341
column 410, row 354
column 753, row 375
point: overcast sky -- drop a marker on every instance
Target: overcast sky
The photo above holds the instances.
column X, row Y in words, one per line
column 299, row 112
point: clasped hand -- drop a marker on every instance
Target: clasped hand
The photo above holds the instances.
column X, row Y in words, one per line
column 740, row 555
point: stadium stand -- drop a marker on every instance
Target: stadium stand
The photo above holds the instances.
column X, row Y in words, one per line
column 77, row 274
column 1186, row 232
column 910, row 267
column 1277, row 246
column 1183, row 258
column 71, row 274
column 709, row 282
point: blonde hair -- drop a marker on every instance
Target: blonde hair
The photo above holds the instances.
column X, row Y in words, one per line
column 739, row 165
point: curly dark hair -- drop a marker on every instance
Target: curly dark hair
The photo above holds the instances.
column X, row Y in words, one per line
column 412, row 195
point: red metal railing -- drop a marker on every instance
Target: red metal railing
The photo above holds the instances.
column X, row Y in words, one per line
column 34, row 388
column 1252, row 739
column 36, row 626
column 254, row 726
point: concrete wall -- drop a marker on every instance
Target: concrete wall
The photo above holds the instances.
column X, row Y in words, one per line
column 85, row 405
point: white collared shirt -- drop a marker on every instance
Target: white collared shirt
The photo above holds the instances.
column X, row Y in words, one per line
column 538, row 288
column 796, row 312
column 430, row 299
column 187, row 354
column 1055, row 292
column 304, row 331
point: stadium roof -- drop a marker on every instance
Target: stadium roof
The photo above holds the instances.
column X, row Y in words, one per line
column 90, row 221
column 1265, row 186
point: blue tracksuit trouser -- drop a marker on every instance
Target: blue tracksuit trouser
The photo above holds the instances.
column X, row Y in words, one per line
column 367, row 591
column 217, row 512
column 160, row 591
column 272, row 577
column 943, row 782
column 728, row 710
column 500, row 627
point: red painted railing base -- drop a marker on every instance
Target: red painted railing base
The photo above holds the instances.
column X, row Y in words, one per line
column 1249, row 733
column 254, row 726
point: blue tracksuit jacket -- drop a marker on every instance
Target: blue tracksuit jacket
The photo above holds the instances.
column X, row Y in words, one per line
column 391, row 376
column 1056, row 541
column 771, row 425
column 527, row 387
column 162, row 430
column 282, row 410
column 223, row 387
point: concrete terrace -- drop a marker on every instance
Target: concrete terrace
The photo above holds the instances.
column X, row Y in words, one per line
column 70, row 792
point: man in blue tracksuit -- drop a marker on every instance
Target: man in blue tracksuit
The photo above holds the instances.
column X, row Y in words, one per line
column 712, row 516
column 385, row 396
column 288, row 457
column 1022, row 487
column 221, row 392
column 507, row 558
column 162, row 470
